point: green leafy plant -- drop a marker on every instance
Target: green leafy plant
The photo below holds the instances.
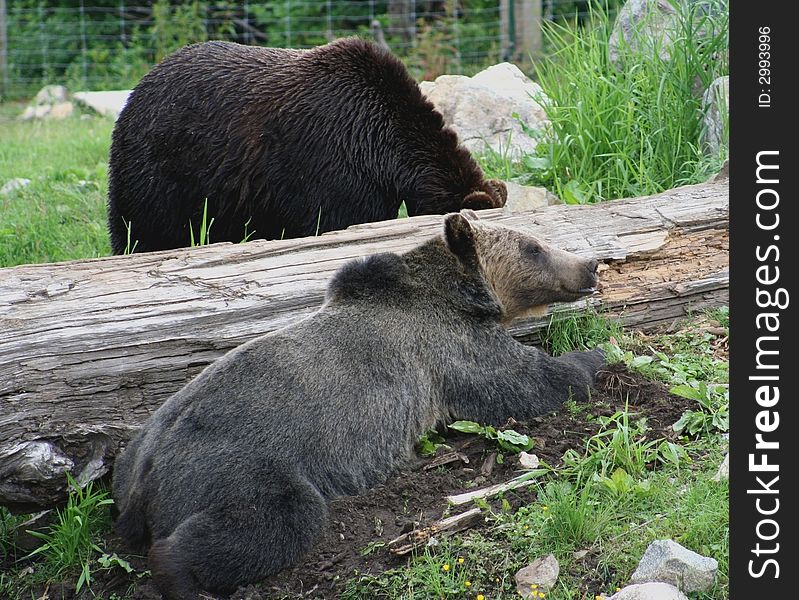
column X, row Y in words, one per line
column 714, row 408
column 429, row 443
column 69, row 544
column 621, row 444
column 621, row 484
column 507, row 440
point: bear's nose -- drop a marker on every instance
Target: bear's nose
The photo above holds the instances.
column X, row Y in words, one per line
column 592, row 266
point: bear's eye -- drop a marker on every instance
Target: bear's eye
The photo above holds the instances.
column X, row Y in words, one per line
column 532, row 249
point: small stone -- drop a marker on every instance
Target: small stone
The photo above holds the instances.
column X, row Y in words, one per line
column 12, row 185
column 579, row 554
column 528, row 461
column 542, row 574
column 669, row 562
column 649, row 591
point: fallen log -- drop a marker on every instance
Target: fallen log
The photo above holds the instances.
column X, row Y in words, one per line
column 90, row 348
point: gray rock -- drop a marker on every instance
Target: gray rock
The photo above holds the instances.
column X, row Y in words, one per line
column 481, row 108
column 649, row 26
column 523, row 197
column 52, row 102
column 649, row 591
column 643, row 26
column 108, row 104
column 716, row 108
column 669, row 562
column 12, row 185
column 540, row 575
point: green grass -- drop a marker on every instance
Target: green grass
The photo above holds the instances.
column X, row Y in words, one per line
column 578, row 331
column 61, row 215
column 69, row 548
column 628, row 131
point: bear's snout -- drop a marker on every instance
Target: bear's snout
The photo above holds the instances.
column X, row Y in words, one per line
column 590, row 279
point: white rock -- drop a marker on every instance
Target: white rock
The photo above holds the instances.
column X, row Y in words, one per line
column 52, row 102
column 12, row 185
column 669, row 562
column 649, row 591
column 525, row 197
column 528, row 461
column 62, row 110
column 35, row 112
column 51, row 94
column 481, row 108
column 541, row 573
column 108, row 104
column 716, row 108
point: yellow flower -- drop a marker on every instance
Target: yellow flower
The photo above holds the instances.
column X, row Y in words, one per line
column 533, row 586
column 460, row 560
column 599, row 597
column 480, row 597
column 467, row 583
column 545, row 507
column 445, row 567
column 618, row 589
column 541, row 594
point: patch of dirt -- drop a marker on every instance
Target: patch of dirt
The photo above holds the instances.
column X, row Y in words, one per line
column 415, row 497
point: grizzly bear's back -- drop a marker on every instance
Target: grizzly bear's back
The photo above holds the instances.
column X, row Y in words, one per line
column 281, row 142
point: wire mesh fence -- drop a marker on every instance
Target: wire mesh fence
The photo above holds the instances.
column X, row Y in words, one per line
column 110, row 44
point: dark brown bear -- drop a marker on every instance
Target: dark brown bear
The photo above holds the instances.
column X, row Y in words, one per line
column 228, row 481
column 281, row 143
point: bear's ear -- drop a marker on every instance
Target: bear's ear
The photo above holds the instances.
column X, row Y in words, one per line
column 478, row 201
column 470, row 214
column 459, row 236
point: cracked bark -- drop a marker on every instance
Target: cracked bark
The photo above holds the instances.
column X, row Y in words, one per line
column 90, row 348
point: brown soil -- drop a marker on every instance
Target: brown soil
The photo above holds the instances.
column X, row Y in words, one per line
column 415, row 496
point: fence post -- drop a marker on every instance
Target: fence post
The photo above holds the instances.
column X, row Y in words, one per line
column 3, row 50
column 528, row 28
column 507, row 29
column 520, row 29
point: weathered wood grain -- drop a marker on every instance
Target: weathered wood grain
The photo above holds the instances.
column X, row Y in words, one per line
column 88, row 349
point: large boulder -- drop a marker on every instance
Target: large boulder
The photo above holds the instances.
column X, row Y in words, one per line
column 108, row 104
column 51, row 102
column 669, row 562
column 650, row 27
column 645, row 26
column 488, row 110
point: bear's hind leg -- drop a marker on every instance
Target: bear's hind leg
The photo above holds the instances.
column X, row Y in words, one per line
column 250, row 534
